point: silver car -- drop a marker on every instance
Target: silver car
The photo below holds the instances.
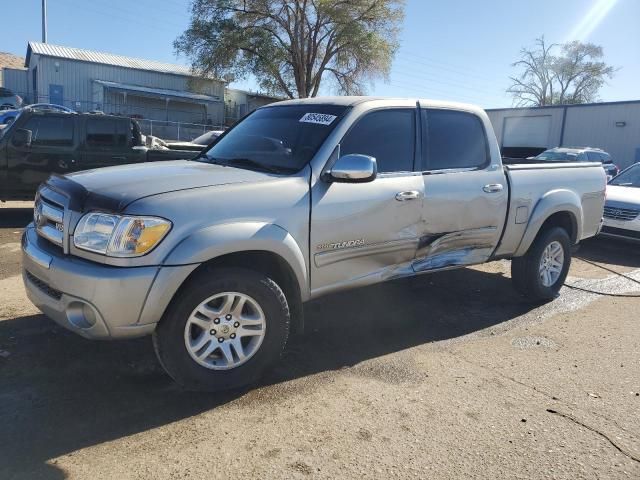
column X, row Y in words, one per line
column 622, row 207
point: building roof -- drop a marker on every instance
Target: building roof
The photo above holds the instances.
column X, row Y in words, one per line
column 163, row 92
column 566, row 105
column 9, row 60
column 57, row 51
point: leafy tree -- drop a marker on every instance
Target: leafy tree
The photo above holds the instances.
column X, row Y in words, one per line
column 574, row 75
column 291, row 46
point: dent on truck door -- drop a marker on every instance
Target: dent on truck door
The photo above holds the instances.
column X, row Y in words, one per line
column 365, row 232
column 465, row 194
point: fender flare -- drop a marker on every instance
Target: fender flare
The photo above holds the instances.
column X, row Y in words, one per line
column 554, row 201
column 222, row 239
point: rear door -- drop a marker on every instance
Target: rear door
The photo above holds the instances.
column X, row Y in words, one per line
column 52, row 150
column 107, row 141
column 465, row 202
column 365, row 232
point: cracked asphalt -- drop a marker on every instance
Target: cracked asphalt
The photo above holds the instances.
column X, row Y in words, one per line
column 449, row 375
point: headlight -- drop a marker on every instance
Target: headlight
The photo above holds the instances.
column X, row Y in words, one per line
column 119, row 236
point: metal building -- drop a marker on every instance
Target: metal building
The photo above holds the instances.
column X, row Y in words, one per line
column 612, row 126
column 86, row 80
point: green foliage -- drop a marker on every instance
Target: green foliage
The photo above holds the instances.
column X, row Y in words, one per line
column 575, row 75
column 291, row 46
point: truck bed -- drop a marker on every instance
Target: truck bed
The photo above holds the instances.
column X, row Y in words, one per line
column 534, row 185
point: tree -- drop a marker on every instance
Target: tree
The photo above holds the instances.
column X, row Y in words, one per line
column 575, row 75
column 291, row 46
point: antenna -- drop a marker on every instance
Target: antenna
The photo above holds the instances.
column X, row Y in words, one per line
column 44, row 21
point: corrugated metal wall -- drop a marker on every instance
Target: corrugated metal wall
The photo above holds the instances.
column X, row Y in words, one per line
column 15, row 80
column 76, row 78
column 594, row 125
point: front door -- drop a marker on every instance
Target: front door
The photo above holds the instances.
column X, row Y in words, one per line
column 362, row 233
column 466, row 195
column 52, row 150
column 56, row 94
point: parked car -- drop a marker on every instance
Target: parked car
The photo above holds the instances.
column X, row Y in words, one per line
column 8, row 116
column 579, row 154
column 622, row 207
column 39, row 143
column 214, row 257
column 9, row 100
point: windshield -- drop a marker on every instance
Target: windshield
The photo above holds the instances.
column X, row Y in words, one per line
column 629, row 178
column 278, row 139
column 555, row 156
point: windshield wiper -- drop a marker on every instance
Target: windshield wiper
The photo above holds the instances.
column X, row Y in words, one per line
column 247, row 162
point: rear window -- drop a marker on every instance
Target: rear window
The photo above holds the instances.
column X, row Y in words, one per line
column 108, row 132
column 453, row 140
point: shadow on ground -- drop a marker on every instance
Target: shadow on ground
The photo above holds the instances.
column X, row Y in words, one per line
column 611, row 251
column 15, row 217
column 61, row 393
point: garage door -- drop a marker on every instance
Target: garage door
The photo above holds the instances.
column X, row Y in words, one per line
column 527, row 131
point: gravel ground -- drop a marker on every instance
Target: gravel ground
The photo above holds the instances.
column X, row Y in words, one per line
column 442, row 376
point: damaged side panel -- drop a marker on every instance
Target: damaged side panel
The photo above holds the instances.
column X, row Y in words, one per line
column 457, row 248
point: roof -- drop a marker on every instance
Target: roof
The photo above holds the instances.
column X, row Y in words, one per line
column 351, row 101
column 57, row 51
column 164, row 92
column 9, row 60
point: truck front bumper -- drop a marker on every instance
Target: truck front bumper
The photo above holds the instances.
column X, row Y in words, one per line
column 94, row 300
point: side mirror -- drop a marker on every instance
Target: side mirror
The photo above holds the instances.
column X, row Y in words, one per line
column 21, row 138
column 353, row 168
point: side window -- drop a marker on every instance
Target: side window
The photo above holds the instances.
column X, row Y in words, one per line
column 594, row 157
column 453, row 139
column 53, row 131
column 387, row 135
column 101, row 132
column 123, row 133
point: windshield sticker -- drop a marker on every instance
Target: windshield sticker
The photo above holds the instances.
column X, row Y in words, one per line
column 319, row 118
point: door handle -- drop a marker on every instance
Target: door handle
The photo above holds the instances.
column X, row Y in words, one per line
column 409, row 195
column 120, row 159
column 493, row 188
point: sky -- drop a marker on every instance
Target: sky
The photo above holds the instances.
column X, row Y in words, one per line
column 450, row 50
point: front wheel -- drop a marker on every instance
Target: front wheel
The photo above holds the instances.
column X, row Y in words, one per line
column 223, row 330
column 541, row 272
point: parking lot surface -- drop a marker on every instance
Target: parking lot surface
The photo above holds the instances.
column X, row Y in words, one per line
column 449, row 375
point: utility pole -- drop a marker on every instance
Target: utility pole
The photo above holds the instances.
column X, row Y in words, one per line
column 44, row 21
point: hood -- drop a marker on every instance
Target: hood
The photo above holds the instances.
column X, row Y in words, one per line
column 113, row 188
column 621, row 196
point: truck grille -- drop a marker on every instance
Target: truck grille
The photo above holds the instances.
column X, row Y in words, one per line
column 625, row 214
column 48, row 217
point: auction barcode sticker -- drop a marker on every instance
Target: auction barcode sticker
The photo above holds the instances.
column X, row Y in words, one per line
column 320, row 118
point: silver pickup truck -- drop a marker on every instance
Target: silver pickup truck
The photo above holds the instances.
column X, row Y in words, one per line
column 215, row 256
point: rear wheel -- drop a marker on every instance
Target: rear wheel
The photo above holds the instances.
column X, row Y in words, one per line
column 226, row 327
column 541, row 272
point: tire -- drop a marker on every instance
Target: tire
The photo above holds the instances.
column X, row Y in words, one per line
column 179, row 334
column 526, row 270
